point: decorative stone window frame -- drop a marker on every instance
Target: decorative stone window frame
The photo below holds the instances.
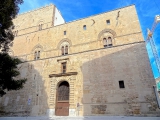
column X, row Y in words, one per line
column 37, row 51
column 64, row 47
column 108, row 42
column 37, row 54
column 106, row 33
column 40, row 24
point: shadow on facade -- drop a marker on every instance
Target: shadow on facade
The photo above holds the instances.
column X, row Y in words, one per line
column 102, row 74
column 32, row 99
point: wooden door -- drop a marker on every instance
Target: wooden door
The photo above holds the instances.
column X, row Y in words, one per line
column 62, row 103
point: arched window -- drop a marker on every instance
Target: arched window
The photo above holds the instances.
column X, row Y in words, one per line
column 107, row 37
column 66, row 50
column 37, row 50
column 109, row 41
column 38, row 55
column 40, row 26
column 15, row 33
column 62, row 50
column 64, row 47
column 35, row 55
column 105, row 42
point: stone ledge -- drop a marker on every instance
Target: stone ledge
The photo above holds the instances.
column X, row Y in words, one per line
column 63, row 74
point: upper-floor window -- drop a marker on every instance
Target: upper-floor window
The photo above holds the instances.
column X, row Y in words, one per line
column 64, row 47
column 15, row 33
column 40, row 26
column 64, row 67
column 108, row 22
column 64, row 32
column 37, row 52
column 37, row 55
column 64, row 50
column 84, row 27
column 107, row 42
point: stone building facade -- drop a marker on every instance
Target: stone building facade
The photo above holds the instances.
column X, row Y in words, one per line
column 93, row 66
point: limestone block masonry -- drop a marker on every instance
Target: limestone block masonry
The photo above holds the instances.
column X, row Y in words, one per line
column 93, row 66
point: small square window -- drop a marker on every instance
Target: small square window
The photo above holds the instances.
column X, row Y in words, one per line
column 84, row 27
column 108, row 22
column 121, row 84
column 64, row 32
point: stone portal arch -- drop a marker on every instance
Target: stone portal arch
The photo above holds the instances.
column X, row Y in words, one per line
column 62, row 99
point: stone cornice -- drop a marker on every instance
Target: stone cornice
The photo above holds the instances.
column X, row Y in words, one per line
column 63, row 74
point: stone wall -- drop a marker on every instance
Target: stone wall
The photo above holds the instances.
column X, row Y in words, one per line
column 34, row 18
column 93, row 71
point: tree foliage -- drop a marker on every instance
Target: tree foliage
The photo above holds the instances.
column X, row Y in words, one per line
column 8, row 65
column 8, row 10
column 8, row 73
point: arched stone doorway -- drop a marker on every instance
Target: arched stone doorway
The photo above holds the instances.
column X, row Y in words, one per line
column 62, row 99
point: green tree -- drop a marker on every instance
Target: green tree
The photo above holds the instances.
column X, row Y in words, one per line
column 8, row 11
column 8, row 73
column 8, row 65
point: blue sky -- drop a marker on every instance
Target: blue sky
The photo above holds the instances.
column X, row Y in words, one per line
column 76, row 9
